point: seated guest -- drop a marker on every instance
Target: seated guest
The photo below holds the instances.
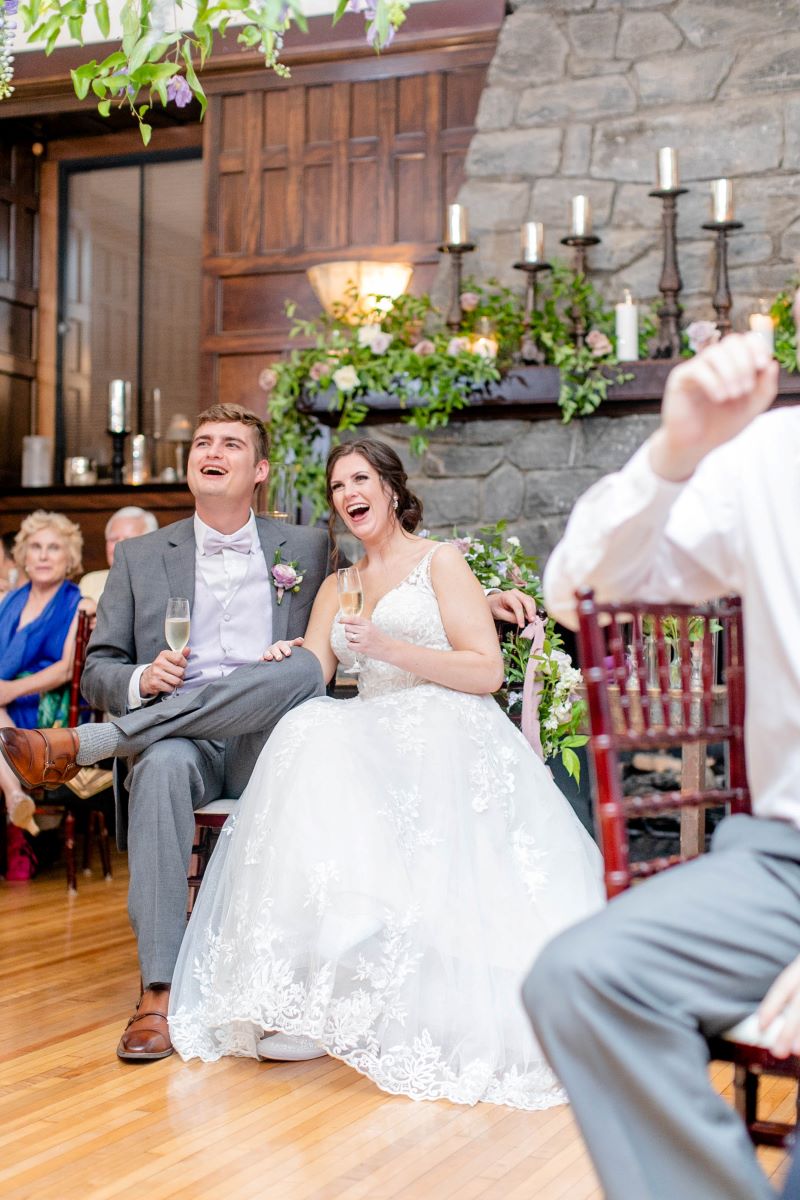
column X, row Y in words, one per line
column 9, row 571
column 37, row 636
column 128, row 522
column 624, row 1002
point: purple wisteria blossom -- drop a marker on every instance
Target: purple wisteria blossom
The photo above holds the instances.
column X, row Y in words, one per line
column 179, row 91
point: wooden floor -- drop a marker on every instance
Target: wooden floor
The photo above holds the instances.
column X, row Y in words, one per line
column 75, row 1123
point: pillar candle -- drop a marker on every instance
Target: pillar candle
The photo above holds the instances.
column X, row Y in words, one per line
column 667, row 178
column 456, row 228
column 763, row 324
column 722, row 200
column 627, row 329
column 117, row 411
column 532, row 241
column 581, row 218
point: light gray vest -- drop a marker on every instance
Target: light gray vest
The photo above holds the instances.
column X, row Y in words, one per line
column 223, row 638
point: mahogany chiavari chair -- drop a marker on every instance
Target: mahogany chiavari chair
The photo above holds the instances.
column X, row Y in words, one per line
column 652, row 681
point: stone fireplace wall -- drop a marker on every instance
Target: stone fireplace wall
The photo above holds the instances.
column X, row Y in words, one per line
column 580, row 95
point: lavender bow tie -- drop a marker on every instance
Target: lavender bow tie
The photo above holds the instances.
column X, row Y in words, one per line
column 214, row 542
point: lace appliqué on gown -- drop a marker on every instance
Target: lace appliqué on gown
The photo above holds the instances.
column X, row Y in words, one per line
column 396, row 863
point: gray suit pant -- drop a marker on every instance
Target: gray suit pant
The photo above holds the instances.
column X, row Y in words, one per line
column 623, row 1002
column 185, row 752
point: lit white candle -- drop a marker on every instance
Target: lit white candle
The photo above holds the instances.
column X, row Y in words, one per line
column 667, row 169
column 532, row 241
column 763, row 324
column 581, row 213
column 456, row 227
column 117, row 411
column 627, row 329
column 722, row 200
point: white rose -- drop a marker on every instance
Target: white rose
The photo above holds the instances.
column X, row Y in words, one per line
column 346, row 379
column 513, row 541
column 493, row 581
column 374, row 337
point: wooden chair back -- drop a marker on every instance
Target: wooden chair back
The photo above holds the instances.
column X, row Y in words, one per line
column 653, row 681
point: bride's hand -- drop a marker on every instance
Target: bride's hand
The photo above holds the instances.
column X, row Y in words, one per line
column 363, row 637
column 280, row 650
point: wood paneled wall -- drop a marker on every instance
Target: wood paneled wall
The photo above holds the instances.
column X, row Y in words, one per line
column 334, row 163
column 18, row 302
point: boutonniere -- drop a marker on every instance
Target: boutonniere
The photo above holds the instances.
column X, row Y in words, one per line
column 285, row 576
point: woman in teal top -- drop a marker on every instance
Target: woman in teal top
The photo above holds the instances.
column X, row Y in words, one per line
column 37, row 635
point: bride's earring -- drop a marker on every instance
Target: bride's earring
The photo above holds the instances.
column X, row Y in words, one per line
column 394, row 503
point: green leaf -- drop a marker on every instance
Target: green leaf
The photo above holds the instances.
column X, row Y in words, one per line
column 341, row 8
column 75, row 25
column 102, row 17
column 131, row 27
column 80, row 82
column 191, row 77
column 146, row 132
column 572, row 764
column 99, row 88
column 104, row 108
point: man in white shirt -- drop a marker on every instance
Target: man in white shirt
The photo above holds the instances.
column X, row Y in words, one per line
column 623, row 1003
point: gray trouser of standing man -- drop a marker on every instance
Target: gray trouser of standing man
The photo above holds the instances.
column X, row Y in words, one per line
column 183, row 753
column 623, row 1003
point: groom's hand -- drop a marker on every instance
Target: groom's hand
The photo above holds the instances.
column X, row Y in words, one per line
column 165, row 673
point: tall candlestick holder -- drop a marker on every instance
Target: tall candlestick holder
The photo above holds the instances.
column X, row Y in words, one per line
column 118, row 454
column 456, row 250
column 580, row 243
column 529, row 352
column 722, row 300
column 668, row 343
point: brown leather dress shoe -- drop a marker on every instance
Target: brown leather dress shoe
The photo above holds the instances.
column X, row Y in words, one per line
column 146, row 1035
column 41, row 757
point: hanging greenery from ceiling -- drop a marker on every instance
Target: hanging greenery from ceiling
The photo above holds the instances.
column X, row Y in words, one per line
column 166, row 42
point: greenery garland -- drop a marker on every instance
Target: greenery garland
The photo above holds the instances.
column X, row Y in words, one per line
column 406, row 352
column 163, row 41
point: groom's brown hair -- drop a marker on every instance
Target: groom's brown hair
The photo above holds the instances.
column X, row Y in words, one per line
column 243, row 416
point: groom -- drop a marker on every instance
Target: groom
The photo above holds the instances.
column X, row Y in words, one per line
column 192, row 747
column 188, row 749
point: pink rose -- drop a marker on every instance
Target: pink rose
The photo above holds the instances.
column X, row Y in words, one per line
column 284, row 575
column 267, row 379
column 469, row 301
column 598, row 343
column 702, row 334
column 319, row 370
column 424, row 348
column 463, row 543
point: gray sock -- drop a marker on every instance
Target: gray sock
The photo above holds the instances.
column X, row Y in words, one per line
column 96, row 742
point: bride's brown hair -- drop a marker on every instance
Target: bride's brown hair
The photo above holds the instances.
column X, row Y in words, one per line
column 390, row 470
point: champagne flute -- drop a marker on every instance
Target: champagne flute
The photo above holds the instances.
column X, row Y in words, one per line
column 176, row 623
column 351, row 602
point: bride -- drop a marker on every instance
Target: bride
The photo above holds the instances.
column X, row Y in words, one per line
column 396, row 860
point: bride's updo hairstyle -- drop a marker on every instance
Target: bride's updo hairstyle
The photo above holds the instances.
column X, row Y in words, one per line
column 383, row 459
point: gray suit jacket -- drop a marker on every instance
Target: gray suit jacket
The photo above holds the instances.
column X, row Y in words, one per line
column 148, row 570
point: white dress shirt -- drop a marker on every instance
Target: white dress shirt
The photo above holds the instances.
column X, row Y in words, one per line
column 223, row 572
column 732, row 527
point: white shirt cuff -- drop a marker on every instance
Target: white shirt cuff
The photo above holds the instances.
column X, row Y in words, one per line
column 135, row 699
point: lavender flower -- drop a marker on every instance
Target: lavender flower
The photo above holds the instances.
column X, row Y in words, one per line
column 702, row 334
column 179, row 91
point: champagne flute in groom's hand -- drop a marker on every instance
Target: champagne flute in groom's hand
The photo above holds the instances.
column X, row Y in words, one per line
column 351, row 602
column 176, row 624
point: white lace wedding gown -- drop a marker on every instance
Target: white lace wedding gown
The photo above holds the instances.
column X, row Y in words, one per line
column 394, row 865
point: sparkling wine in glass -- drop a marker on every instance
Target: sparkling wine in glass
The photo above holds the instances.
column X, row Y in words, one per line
column 176, row 623
column 351, row 602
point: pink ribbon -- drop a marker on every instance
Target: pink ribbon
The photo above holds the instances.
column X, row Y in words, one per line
column 532, row 686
